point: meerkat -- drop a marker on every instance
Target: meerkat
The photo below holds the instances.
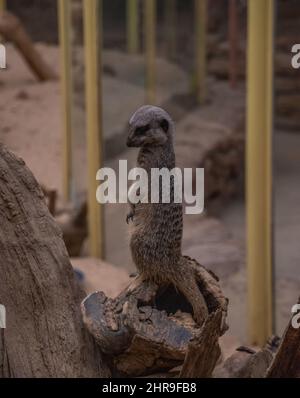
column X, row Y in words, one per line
column 156, row 233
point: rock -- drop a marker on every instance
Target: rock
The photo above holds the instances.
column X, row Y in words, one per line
column 217, row 149
column 245, row 363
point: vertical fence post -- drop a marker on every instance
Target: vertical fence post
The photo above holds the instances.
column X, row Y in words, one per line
column 233, row 38
column 132, row 26
column 93, row 71
column 64, row 17
column 150, row 47
column 2, row 8
column 200, row 49
column 2, row 5
column 259, row 168
column 170, row 21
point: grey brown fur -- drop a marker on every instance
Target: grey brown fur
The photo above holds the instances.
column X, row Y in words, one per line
column 156, row 234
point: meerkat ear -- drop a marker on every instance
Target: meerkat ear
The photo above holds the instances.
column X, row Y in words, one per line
column 164, row 124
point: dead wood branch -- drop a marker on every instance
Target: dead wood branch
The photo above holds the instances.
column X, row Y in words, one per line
column 150, row 329
column 245, row 363
column 286, row 363
column 204, row 350
column 12, row 30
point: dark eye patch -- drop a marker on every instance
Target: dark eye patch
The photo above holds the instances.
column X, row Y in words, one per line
column 142, row 129
column 164, row 124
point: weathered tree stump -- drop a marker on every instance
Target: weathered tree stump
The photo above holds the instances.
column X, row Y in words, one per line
column 203, row 351
column 44, row 335
column 150, row 328
column 286, row 363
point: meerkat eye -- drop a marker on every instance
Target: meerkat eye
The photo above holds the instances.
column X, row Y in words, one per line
column 164, row 124
column 142, row 129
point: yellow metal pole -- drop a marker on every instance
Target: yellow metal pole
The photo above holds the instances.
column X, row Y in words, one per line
column 132, row 26
column 2, row 5
column 64, row 16
column 171, row 20
column 2, row 8
column 93, row 47
column 259, row 168
column 200, row 49
column 150, row 39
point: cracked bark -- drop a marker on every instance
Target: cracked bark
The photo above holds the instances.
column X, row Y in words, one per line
column 286, row 363
column 44, row 335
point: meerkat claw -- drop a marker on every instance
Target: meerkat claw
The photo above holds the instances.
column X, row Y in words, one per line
column 129, row 217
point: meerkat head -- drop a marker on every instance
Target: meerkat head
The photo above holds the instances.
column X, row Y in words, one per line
column 149, row 125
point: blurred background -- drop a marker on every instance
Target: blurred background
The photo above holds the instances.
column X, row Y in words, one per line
column 189, row 57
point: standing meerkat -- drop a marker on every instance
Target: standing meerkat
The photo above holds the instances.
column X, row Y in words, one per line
column 156, row 234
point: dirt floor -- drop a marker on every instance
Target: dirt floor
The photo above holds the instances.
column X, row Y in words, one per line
column 38, row 125
column 31, row 127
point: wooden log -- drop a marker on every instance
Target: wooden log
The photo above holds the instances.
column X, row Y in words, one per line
column 12, row 29
column 44, row 336
column 245, row 363
column 148, row 329
column 286, row 363
column 203, row 351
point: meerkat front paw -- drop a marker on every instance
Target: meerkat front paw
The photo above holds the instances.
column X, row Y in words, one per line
column 129, row 217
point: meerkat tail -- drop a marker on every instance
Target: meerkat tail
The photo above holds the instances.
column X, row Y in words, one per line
column 185, row 281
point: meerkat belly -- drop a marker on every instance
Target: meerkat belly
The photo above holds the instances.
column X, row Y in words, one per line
column 155, row 240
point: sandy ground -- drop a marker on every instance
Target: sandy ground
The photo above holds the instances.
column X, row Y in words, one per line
column 31, row 118
column 101, row 276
